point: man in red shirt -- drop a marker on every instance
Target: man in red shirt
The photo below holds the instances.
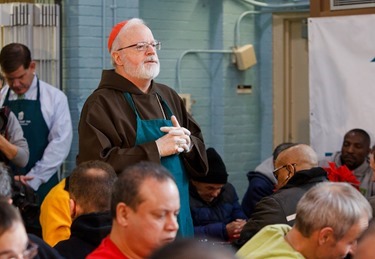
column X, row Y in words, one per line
column 145, row 204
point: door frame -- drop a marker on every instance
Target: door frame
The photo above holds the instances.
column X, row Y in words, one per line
column 282, row 76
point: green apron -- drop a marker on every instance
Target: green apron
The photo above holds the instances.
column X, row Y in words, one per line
column 36, row 132
column 149, row 130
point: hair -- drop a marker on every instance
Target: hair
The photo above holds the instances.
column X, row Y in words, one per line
column 5, row 182
column 331, row 204
column 281, row 147
column 90, row 185
column 128, row 185
column 14, row 55
column 363, row 133
column 8, row 216
column 117, row 41
column 187, row 248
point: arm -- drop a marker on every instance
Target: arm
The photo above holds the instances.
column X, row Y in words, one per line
column 57, row 116
column 195, row 160
column 268, row 211
column 107, row 132
column 16, row 149
column 7, row 148
column 109, row 135
column 216, row 230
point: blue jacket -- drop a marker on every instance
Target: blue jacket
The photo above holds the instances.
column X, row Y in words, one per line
column 210, row 219
column 259, row 186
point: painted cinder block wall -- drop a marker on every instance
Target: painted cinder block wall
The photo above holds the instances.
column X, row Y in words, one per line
column 239, row 126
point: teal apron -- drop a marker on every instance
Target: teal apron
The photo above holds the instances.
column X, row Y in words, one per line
column 149, row 130
column 36, row 132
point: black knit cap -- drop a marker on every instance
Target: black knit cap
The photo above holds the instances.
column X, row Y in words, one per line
column 217, row 172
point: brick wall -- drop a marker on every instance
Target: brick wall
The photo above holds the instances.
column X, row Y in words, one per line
column 232, row 123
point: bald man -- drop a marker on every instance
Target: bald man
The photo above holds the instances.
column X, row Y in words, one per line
column 296, row 172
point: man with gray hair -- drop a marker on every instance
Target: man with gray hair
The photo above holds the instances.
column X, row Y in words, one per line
column 330, row 218
column 296, row 172
column 130, row 118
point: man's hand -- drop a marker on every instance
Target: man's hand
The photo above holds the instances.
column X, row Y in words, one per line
column 234, row 228
column 23, row 179
column 176, row 140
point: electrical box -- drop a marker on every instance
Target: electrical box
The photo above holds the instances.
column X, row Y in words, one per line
column 245, row 57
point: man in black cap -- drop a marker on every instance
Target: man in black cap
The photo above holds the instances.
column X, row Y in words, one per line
column 214, row 204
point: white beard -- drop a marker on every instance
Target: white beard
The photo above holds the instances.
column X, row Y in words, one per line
column 144, row 71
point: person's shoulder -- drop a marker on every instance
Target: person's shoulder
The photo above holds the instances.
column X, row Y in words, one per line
column 164, row 89
column 106, row 249
column 102, row 97
column 256, row 177
column 331, row 157
column 48, row 86
column 59, row 189
column 285, row 195
column 229, row 191
column 51, row 91
column 44, row 250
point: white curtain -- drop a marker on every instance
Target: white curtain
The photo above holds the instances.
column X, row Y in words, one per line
column 341, row 79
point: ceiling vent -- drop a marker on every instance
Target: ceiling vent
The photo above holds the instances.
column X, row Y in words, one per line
column 351, row 4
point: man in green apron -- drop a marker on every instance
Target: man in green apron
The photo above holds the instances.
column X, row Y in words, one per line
column 130, row 118
column 44, row 115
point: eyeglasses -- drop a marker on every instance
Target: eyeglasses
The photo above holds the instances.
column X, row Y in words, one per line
column 30, row 252
column 291, row 168
column 142, row 46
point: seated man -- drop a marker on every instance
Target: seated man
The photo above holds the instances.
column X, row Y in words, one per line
column 144, row 207
column 90, row 187
column 261, row 180
column 296, row 173
column 330, row 218
column 355, row 155
column 214, row 204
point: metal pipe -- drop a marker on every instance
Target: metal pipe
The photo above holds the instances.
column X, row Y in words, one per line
column 103, row 33
column 193, row 51
column 237, row 29
column 261, row 4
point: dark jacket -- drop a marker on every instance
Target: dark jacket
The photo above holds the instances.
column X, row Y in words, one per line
column 108, row 126
column 87, row 231
column 259, row 186
column 44, row 250
column 210, row 219
column 280, row 207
